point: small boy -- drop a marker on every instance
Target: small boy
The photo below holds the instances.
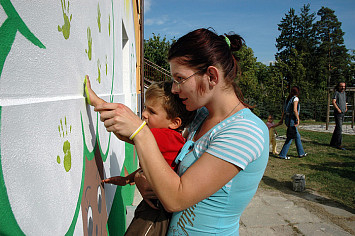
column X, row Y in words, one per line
column 272, row 133
column 166, row 116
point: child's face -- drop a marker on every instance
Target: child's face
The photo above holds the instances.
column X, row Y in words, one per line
column 270, row 119
column 155, row 115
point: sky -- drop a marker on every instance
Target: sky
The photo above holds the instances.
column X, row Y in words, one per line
column 255, row 20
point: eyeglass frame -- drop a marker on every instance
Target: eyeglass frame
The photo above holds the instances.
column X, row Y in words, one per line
column 183, row 80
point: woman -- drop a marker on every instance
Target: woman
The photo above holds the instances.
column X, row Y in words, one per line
column 225, row 157
column 292, row 120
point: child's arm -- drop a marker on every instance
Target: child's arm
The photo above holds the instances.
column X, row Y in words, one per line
column 121, row 181
column 91, row 96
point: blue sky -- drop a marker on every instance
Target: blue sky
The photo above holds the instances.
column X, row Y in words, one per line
column 255, row 20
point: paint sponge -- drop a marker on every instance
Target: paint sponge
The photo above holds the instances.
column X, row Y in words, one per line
column 87, row 90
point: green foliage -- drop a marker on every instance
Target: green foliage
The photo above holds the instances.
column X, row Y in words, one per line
column 248, row 80
column 332, row 51
column 156, row 50
column 311, row 54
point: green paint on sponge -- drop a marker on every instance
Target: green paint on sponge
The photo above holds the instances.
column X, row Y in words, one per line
column 86, row 90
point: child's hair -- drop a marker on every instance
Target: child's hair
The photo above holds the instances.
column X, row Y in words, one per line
column 172, row 104
column 271, row 116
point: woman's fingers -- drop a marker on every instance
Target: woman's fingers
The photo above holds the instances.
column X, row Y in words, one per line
column 108, row 106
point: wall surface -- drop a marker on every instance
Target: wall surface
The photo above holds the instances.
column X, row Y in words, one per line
column 54, row 150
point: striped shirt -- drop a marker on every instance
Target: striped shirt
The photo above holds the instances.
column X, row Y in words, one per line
column 243, row 140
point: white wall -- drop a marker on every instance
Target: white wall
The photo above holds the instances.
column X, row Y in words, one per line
column 43, row 109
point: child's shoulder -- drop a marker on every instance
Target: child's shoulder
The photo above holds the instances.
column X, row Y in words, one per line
column 165, row 134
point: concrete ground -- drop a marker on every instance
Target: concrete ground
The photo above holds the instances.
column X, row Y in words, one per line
column 321, row 128
column 276, row 213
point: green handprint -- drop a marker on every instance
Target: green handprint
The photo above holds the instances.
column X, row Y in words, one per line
column 65, row 29
column 109, row 25
column 89, row 50
column 106, row 64
column 98, row 71
column 99, row 17
column 66, row 145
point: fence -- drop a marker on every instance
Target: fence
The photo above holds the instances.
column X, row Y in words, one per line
column 153, row 72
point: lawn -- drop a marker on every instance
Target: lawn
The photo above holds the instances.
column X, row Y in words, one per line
column 329, row 171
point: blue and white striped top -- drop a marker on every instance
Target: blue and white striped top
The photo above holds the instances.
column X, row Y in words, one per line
column 243, row 140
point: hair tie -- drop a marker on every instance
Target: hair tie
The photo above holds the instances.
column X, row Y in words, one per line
column 227, row 41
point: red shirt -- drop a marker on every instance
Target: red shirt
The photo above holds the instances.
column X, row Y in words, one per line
column 169, row 142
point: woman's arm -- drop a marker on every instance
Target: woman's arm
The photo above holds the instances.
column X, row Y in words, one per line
column 295, row 110
column 176, row 193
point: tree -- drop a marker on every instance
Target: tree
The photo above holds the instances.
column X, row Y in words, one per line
column 306, row 44
column 156, row 50
column 248, row 81
column 332, row 51
column 286, row 43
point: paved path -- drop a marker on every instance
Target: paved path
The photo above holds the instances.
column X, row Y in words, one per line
column 276, row 213
column 321, row 128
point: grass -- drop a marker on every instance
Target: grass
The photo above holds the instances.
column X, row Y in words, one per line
column 329, row 171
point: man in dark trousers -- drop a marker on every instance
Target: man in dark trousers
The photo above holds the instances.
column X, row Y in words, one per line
column 339, row 103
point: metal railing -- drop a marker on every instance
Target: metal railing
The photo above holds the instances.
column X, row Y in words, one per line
column 154, row 73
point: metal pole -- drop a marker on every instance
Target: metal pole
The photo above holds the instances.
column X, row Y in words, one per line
column 328, row 110
column 141, row 3
column 353, row 113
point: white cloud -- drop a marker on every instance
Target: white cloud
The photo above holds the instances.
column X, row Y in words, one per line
column 147, row 5
column 157, row 21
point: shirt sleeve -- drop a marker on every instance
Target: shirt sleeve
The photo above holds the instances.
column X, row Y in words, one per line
column 239, row 143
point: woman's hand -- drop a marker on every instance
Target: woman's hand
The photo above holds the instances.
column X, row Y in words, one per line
column 91, row 96
column 119, row 119
column 144, row 188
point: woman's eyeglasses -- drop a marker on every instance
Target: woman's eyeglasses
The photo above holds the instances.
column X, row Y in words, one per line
column 178, row 82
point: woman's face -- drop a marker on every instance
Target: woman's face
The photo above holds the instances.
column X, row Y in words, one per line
column 188, row 89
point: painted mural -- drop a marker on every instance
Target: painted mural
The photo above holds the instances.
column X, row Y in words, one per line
column 54, row 151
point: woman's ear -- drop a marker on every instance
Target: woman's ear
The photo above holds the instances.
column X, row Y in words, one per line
column 212, row 72
column 175, row 123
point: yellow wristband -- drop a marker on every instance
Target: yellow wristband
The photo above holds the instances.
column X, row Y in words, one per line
column 137, row 131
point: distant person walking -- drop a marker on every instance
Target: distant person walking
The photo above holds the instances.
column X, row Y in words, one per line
column 292, row 120
column 340, row 107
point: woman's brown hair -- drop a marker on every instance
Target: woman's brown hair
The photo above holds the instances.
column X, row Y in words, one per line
column 202, row 48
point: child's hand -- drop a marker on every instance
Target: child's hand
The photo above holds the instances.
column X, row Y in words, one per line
column 116, row 180
column 145, row 188
column 91, row 96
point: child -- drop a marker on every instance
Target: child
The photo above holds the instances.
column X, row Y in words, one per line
column 272, row 133
column 166, row 116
